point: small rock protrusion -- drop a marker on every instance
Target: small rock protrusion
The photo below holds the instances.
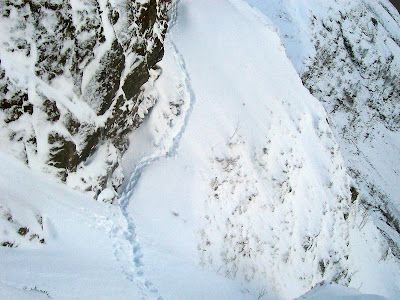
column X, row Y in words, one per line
column 23, row 231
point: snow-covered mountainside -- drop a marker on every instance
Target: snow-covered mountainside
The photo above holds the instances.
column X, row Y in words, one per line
column 348, row 56
column 267, row 167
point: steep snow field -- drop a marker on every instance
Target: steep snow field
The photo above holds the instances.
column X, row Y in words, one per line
column 237, row 187
column 256, row 189
column 348, row 55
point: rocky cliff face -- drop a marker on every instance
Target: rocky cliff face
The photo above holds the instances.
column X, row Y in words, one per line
column 74, row 79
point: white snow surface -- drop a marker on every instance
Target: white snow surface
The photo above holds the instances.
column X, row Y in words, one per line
column 336, row 292
column 237, row 187
column 77, row 259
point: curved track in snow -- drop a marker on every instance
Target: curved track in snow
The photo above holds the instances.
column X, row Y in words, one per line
column 240, row 204
column 135, row 272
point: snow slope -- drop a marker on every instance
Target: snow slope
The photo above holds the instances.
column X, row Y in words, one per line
column 350, row 61
column 256, row 189
column 237, row 187
column 77, row 259
column 336, row 292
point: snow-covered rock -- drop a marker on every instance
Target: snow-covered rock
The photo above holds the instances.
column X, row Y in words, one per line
column 72, row 76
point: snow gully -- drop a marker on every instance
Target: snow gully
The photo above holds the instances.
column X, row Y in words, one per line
column 137, row 273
